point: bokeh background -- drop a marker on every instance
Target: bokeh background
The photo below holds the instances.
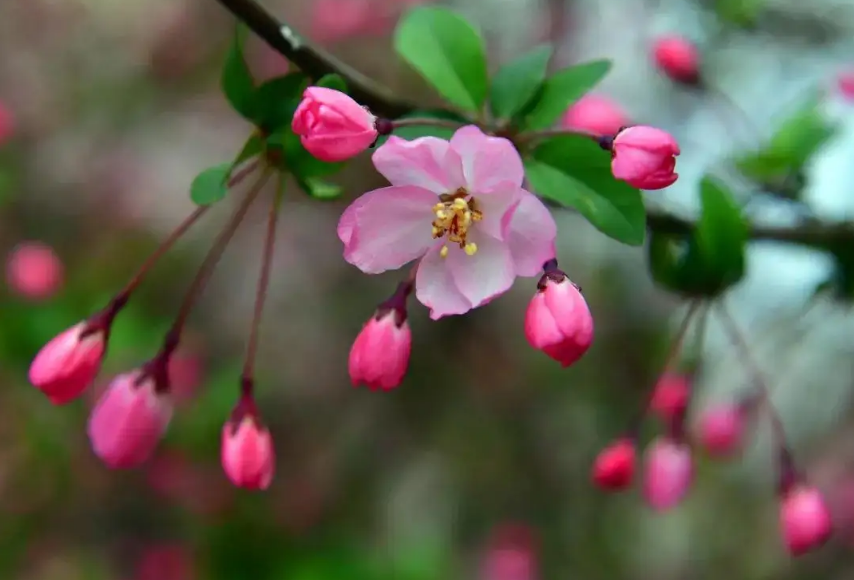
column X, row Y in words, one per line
column 115, row 107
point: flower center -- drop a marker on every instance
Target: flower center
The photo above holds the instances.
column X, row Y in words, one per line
column 454, row 216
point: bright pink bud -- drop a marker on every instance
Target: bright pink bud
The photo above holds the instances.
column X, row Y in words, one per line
column 596, row 114
column 129, row 420
column 34, row 271
column 845, row 82
column 332, row 126
column 645, row 157
column 614, row 468
column 558, row 321
column 69, row 363
column 511, row 555
column 668, row 475
column 671, row 396
column 721, row 429
column 247, row 452
column 804, row 520
column 7, row 124
column 380, row 354
column 678, row 58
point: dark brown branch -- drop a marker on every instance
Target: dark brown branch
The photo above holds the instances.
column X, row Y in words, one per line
column 314, row 62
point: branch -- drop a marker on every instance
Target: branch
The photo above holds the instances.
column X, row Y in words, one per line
column 314, row 62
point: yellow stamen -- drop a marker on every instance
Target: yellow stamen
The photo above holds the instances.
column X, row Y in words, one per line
column 454, row 216
column 471, row 249
column 444, row 252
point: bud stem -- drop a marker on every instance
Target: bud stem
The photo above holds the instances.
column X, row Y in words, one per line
column 261, row 293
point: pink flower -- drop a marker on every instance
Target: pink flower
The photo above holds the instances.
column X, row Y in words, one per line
column 671, row 396
column 69, row 363
column 678, row 58
column 247, row 453
column 511, row 555
column 558, row 321
column 380, row 354
column 804, row 520
column 596, row 114
column 332, row 126
column 459, row 206
column 34, row 271
column 7, row 124
column 845, row 82
column 645, row 157
column 721, row 429
column 128, row 421
column 668, row 474
column 614, row 468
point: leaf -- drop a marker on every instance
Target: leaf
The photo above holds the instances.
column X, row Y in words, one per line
column 574, row 171
column 561, row 90
column 252, row 148
column 416, row 131
column 294, row 158
column 516, row 83
column 320, row 189
column 236, row 81
column 332, row 81
column 448, row 52
column 277, row 99
column 210, row 185
column 722, row 234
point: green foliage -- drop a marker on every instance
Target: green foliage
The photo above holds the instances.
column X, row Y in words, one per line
column 560, row 90
column 291, row 156
column 516, row 83
column 211, row 185
column 710, row 259
column 791, row 147
column 332, row 81
column 448, row 52
column 574, row 171
column 742, row 13
column 319, row 189
column 276, row 100
column 236, row 81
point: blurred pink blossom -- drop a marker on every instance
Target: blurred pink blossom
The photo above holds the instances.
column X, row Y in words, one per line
column 511, row 554
column 33, row 270
column 166, row 562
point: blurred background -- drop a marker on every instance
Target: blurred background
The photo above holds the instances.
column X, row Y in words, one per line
column 109, row 109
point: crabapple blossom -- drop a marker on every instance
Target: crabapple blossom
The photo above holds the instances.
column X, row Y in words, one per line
column 678, row 58
column 671, row 396
column 668, row 473
column 34, row 271
column 332, row 126
column 457, row 206
column 614, row 467
column 380, row 354
column 69, row 363
column 596, row 114
column 804, row 519
column 644, row 157
column 247, row 452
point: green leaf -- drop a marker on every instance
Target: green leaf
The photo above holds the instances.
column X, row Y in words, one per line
column 277, row 99
column 294, row 158
column 722, row 233
column 742, row 13
column 416, row 131
column 561, row 90
column 210, row 186
column 448, row 52
column 252, row 148
column 332, row 81
column 236, row 81
column 320, row 189
column 574, row 171
column 516, row 83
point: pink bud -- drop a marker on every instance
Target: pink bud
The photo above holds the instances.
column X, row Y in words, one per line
column 558, row 321
column 645, row 157
column 845, row 82
column 7, row 124
column 247, row 453
column 668, row 474
column 129, row 420
column 332, row 126
column 380, row 354
column 671, row 396
column 614, row 468
column 678, row 58
column 721, row 429
column 165, row 562
column 511, row 555
column 595, row 114
column 804, row 520
column 34, row 271
column 69, row 363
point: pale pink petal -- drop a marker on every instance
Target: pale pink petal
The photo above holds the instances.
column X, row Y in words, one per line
column 497, row 208
column 531, row 235
column 487, row 161
column 426, row 162
column 486, row 274
column 387, row 228
column 630, row 163
column 435, row 288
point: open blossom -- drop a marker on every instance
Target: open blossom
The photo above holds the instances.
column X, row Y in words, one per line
column 645, row 157
column 558, row 321
column 69, row 363
column 596, row 114
column 380, row 354
column 457, row 205
column 332, row 126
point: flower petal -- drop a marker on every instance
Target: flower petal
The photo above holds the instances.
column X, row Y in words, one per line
column 497, row 208
column 487, row 161
column 426, row 162
column 486, row 274
column 631, row 163
column 531, row 235
column 435, row 287
column 386, row 228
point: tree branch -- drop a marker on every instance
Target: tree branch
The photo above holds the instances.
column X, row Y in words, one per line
column 314, row 62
